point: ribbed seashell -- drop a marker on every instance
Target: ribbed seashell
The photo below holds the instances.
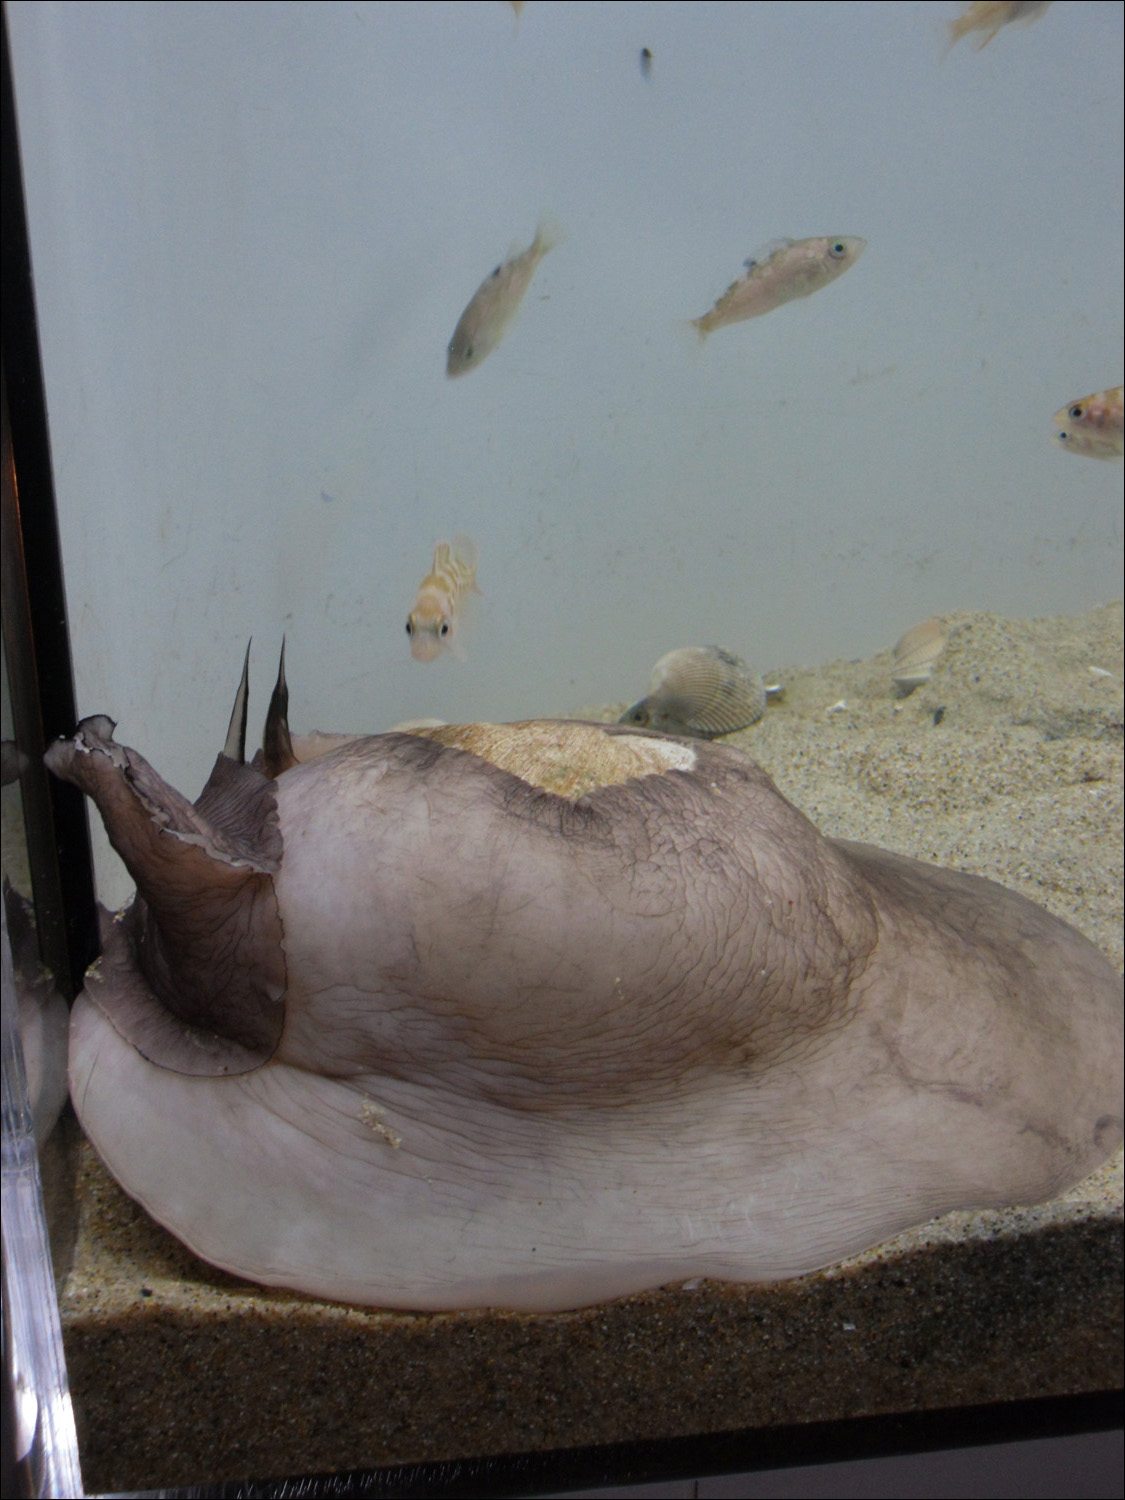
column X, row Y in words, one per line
column 702, row 691
column 916, row 655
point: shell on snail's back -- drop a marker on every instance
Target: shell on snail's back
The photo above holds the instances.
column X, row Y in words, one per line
column 916, row 655
column 700, row 691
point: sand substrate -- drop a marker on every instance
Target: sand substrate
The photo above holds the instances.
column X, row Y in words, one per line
column 1008, row 764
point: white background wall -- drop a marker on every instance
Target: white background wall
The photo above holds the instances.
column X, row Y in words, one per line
column 254, row 227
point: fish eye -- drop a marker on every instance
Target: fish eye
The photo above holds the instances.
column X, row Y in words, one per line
column 838, row 249
column 410, row 627
column 444, row 628
column 1075, row 412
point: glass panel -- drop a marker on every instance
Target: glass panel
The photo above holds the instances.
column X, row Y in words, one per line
column 45, row 1446
column 263, row 241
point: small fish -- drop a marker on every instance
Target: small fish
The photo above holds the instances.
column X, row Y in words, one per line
column 701, row 691
column 783, row 270
column 646, row 62
column 987, row 17
column 495, row 303
column 433, row 623
column 1093, row 425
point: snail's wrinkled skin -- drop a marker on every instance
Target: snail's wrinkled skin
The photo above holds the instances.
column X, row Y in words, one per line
column 538, row 1015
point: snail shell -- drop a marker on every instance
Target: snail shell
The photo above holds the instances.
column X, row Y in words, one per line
column 701, row 691
column 916, row 655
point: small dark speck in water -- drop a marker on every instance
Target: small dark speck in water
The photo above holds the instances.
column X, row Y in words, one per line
column 646, row 62
column 939, row 714
column 326, row 497
column 146, row 1291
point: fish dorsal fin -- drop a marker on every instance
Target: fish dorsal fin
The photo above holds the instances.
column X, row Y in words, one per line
column 767, row 252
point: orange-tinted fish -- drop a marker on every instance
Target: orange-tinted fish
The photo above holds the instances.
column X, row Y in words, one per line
column 434, row 622
column 784, row 270
column 987, row 17
column 1093, row 425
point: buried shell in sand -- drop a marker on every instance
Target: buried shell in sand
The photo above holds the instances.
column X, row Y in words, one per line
column 916, row 655
column 536, row 1015
column 699, row 691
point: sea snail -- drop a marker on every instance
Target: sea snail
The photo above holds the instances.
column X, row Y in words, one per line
column 535, row 1015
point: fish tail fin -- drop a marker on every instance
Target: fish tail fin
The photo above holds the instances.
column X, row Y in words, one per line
column 548, row 234
column 689, row 337
column 701, row 328
column 953, row 31
column 465, row 551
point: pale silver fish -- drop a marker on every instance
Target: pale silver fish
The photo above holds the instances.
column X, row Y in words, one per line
column 1093, row 426
column 433, row 624
column 701, row 691
column 780, row 272
column 496, row 301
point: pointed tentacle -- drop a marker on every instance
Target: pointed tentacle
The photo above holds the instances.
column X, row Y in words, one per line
column 235, row 747
column 277, row 746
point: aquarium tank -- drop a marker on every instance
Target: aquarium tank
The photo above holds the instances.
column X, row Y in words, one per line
column 255, row 228
column 486, row 353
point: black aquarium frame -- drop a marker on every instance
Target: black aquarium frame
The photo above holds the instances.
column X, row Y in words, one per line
column 38, row 645
column 705, row 1455
column 34, row 601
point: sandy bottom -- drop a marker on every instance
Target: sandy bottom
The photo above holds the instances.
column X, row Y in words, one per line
column 1008, row 764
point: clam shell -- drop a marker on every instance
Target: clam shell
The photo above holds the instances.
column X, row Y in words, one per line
column 702, row 691
column 916, row 655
